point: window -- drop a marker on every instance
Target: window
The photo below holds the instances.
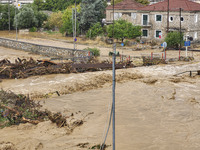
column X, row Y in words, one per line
column 145, row 33
column 133, row 16
column 182, row 19
column 117, row 15
column 196, row 18
column 145, row 19
column 171, row 19
column 158, row 17
column 158, row 33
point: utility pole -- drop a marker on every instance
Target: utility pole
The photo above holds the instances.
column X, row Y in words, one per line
column 9, row 15
column 168, row 17
column 16, row 19
column 113, row 105
column 180, row 28
column 75, row 28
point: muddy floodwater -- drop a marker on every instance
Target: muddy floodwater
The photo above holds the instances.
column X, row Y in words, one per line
column 155, row 110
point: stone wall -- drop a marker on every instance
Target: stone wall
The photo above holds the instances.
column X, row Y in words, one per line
column 43, row 50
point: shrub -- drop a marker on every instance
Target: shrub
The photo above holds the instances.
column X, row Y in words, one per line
column 95, row 51
column 94, row 31
column 173, row 39
column 33, row 29
column 124, row 29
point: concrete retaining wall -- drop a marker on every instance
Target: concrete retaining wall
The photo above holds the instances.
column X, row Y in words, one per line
column 43, row 50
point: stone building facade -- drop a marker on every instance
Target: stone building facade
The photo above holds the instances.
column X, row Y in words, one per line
column 153, row 18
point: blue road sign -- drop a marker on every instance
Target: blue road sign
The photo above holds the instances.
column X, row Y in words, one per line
column 187, row 43
column 75, row 39
column 165, row 44
column 122, row 44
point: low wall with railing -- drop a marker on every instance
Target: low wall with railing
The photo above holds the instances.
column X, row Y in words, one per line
column 42, row 49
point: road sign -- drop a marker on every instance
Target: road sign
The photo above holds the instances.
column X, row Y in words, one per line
column 164, row 44
column 122, row 44
column 187, row 43
column 75, row 39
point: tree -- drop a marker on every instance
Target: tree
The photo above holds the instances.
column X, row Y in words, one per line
column 173, row 39
column 67, row 20
column 26, row 18
column 144, row 2
column 29, row 17
column 55, row 5
column 92, row 11
column 4, row 21
column 124, row 29
column 94, row 31
column 55, row 20
column 39, row 4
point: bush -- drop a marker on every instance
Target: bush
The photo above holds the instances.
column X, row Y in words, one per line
column 33, row 29
column 95, row 51
column 94, row 31
column 124, row 29
column 173, row 39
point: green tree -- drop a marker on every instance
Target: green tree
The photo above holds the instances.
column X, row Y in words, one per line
column 124, row 29
column 94, row 31
column 173, row 39
column 92, row 11
column 67, row 20
column 29, row 17
column 39, row 4
column 144, row 2
column 55, row 5
column 4, row 19
column 26, row 18
column 55, row 20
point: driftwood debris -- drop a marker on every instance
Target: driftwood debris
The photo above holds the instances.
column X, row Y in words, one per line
column 23, row 68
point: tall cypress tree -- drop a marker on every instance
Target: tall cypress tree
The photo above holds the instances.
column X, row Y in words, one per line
column 92, row 11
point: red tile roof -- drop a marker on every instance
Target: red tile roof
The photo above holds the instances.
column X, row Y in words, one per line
column 126, row 4
column 174, row 5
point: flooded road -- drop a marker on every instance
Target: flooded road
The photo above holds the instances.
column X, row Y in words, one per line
column 154, row 109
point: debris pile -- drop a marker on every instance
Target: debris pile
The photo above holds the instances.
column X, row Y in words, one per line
column 16, row 109
column 147, row 61
column 23, row 68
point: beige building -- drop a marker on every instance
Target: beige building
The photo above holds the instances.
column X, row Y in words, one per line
column 153, row 18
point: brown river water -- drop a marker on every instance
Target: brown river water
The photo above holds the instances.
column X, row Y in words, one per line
column 154, row 109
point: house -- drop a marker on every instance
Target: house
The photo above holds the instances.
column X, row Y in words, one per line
column 153, row 18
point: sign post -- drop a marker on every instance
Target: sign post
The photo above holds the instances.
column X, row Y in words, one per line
column 164, row 46
column 186, row 44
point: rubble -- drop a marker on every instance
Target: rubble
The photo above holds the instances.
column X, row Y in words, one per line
column 16, row 109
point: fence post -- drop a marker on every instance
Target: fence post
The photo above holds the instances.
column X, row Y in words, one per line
column 151, row 55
